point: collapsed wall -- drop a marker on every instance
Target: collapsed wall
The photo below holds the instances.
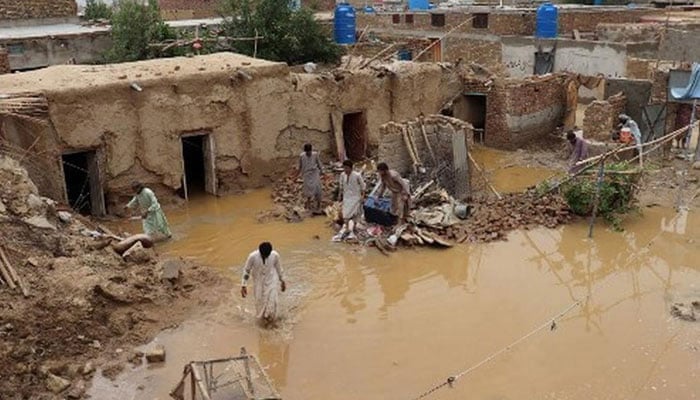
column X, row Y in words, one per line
column 438, row 143
column 253, row 115
column 601, row 117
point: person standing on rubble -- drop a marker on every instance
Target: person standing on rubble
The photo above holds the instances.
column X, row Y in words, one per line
column 399, row 188
column 263, row 265
column 580, row 151
column 351, row 193
column 153, row 218
column 310, row 169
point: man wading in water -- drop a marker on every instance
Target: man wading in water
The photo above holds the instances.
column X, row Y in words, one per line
column 264, row 266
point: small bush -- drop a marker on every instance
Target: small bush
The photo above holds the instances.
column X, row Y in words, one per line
column 97, row 9
column 616, row 193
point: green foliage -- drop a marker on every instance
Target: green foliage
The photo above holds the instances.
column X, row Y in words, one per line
column 616, row 194
column 97, row 9
column 291, row 36
column 135, row 25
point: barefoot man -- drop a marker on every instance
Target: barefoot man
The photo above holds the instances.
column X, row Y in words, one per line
column 351, row 193
column 263, row 265
column 400, row 191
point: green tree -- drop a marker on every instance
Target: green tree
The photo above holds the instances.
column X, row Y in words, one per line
column 291, row 36
column 135, row 25
column 97, row 9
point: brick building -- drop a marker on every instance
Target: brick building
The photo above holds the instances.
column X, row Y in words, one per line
column 188, row 9
column 12, row 10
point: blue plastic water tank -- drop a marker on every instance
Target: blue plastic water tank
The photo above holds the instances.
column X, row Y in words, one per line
column 368, row 10
column 418, row 4
column 344, row 24
column 547, row 21
column 405, row 55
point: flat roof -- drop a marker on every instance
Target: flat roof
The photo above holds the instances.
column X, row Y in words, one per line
column 72, row 77
column 38, row 31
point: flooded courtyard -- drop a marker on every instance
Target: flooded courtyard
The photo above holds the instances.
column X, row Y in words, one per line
column 361, row 325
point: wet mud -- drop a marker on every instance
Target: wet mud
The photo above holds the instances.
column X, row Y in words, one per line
column 362, row 325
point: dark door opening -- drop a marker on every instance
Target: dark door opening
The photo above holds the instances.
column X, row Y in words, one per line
column 82, row 181
column 355, row 135
column 198, row 165
column 472, row 108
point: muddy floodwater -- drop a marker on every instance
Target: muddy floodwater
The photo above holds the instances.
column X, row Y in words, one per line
column 360, row 325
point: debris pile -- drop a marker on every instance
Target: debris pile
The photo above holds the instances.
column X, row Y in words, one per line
column 82, row 299
column 689, row 311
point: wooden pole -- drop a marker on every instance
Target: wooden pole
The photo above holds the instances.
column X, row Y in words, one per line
column 200, row 384
column 246, row 365
column 255, row 44
column 483, row 175
column 6, row 276
column 13, row 273
column 427, row 142
column 368, row 62
column 693, row 117
column 442, row 38
column 599, row 185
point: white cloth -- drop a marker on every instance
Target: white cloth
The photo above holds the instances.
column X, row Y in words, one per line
column 267, row 277
column 352, row 186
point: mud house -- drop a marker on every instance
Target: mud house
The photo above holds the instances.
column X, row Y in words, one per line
column 214, row 123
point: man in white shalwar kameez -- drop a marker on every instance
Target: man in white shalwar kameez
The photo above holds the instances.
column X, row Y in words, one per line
column 263, row 265
column 352, row 192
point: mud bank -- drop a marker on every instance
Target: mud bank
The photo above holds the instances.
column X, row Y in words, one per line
column 86, row 306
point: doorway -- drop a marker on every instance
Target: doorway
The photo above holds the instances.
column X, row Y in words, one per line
column 81, row 176
column 472, row 108
column 355, row 135
column 199, row 175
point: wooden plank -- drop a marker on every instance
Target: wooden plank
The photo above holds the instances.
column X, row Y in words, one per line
column 248, row 377
column 427, row 143
column 337, row 126
column 460, row 164
column 210, row 183
column 97, row 197
column 200, row 384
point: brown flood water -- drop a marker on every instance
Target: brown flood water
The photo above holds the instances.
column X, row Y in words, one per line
column 360, row 325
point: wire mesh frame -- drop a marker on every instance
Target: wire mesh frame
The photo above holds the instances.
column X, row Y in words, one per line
column 231, row 378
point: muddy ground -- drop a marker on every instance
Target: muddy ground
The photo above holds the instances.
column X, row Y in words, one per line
column 87, row 306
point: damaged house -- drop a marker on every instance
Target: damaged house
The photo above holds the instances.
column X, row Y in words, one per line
column 214, row 124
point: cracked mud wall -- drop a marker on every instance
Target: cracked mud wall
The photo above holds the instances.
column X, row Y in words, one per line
column 257, row 113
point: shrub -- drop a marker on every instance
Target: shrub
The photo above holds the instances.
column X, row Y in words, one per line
column 97, row 9
column 291, row 36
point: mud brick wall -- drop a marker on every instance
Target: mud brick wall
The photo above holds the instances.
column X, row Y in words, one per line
column 37, row 9
column 4, row 61
column 188, row 9
column 439, row 131
column 600, row 117
column 534, row 109
column 633, row 32
column 483, row 52
column 638, row 68
column 659, row 86
column 588, row 20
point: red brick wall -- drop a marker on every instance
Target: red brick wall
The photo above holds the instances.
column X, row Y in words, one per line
column 188, row 9
column 37, row 9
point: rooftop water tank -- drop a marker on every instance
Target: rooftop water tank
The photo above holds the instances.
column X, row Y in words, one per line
column 547, row 21
column 418, row 4
column 344, row 24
